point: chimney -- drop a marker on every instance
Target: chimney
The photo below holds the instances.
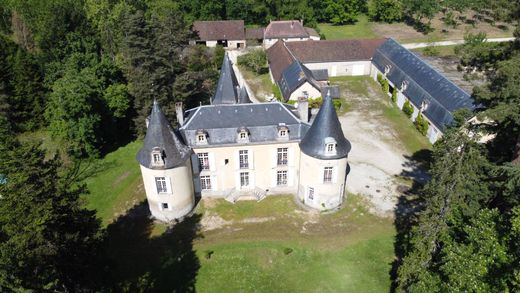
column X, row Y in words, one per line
column 292, row 23
column 147, row 121
column 180, row 113
column 303, row 108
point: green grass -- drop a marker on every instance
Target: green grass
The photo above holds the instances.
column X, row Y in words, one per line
column 362, row 29
column 260, row 84
column 440, row 51
column 114, row 183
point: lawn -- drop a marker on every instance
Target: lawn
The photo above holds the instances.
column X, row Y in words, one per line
column 260, row 84
column 362, row 29
column 114, row 183
column 437, row 51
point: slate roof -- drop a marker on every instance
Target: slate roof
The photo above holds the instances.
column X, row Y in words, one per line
column 160, row 135
column 279, row 59
column 285, row 29
column 320, row 74
column 220, row 30
column 221, row 123
column 425, row 84
column 255, row 33
column 334, row 51
column 332, row 90
column 293, row 77
column 243, row 97
column 227, row 86
column 312, row 32
column 325, row 125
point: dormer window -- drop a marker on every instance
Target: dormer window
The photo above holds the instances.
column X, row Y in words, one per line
column 201, row 137
column 283, row 131
column 387, row 69
column 157, row 157
column 424, row 105
column 243, row 134
column 330, row 146
column 404, row 85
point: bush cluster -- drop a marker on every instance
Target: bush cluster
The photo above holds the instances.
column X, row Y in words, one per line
column 421, row 124
column 256, row 61
column 408, row 108
column 394, row 95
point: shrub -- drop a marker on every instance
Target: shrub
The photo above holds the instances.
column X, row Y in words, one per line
column 277, row 93
column 431, row 51
column 380, row 78
column 408, row 108
column 421, row 124
column 287, row 251
column 337, row 104
column 315, row 103
column 291, row 102
column 385, row 86
column 255, row 60
column 394, row 95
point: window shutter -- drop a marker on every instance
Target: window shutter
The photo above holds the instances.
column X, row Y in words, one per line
column 290, row 157
column 168, row 185
column 212, row 164
column 290, row 177
column 214, row 183
column 251, row 159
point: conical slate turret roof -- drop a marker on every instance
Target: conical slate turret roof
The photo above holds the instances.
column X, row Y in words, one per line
column 243, row 97
column 325, row 126
column 160, row 135
column 226, row 92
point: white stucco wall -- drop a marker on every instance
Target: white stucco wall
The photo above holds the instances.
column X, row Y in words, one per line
column 356, row 68
column 225, row 176
column 306, row 87
column 326, row 195
column 180, row 198
column 234, row 44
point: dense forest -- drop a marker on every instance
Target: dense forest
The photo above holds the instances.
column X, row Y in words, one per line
column 87, row 71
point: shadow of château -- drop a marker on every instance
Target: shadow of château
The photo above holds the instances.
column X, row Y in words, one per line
column 409, row 206
column 140, row 262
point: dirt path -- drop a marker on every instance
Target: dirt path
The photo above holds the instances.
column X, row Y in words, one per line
column 377, row 155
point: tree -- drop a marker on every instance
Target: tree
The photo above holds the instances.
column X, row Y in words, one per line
column 385, row 10
column 56, row 245
column 255, row 61
column 421, row 124
column 394, row 95
column 342, row 12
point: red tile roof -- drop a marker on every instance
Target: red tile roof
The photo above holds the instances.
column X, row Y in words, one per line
column 255, row 33
column 220, row 30
column 336, row 50
column 279, row 58
column 285, row 29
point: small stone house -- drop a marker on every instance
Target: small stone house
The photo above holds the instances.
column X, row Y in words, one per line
column 288, row 31
column 227, row 33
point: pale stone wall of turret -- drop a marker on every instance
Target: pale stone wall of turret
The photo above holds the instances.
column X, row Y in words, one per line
column 179, row 196
column 316, row 193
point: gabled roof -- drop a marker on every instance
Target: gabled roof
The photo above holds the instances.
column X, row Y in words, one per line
column 255, row 33
column 160, row 135
column 220, row 30
column 279, row 59
column 227, row 86
column 221, row 122
column 312, row 32
column 334, row 51
column 326, row 125
column 423, row 83
column 285, row 29
column 293, row 77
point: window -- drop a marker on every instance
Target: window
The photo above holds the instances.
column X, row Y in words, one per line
column 283, row 132
column 243, row 135
column 282, row 157
column 311, row 193
column 330, row 148
column 164, row 206
column 281, row 178
column 244, row 179
column 160, row 183
column 327, row 175
column 205, row 182
column 157, row 159
column 243, row 158
column 203, row 161
column 201, row 138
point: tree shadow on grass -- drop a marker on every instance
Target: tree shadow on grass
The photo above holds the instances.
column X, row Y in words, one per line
column 409, row 206
column 143, row 263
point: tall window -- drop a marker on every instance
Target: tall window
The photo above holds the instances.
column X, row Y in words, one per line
column 311, row 193
column 164, row 206
column 244, row 179
column 327, row 175
column 203, row 161
column 330, row 148
column 205, row 182
column 156, row 158
column 281, row 178
column 243, row 135
column 282, row 156
column 243, row 158
column 160, row 183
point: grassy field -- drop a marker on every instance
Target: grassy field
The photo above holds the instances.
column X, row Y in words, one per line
column 438, row 51
column 362, row 29
column 114, row 183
